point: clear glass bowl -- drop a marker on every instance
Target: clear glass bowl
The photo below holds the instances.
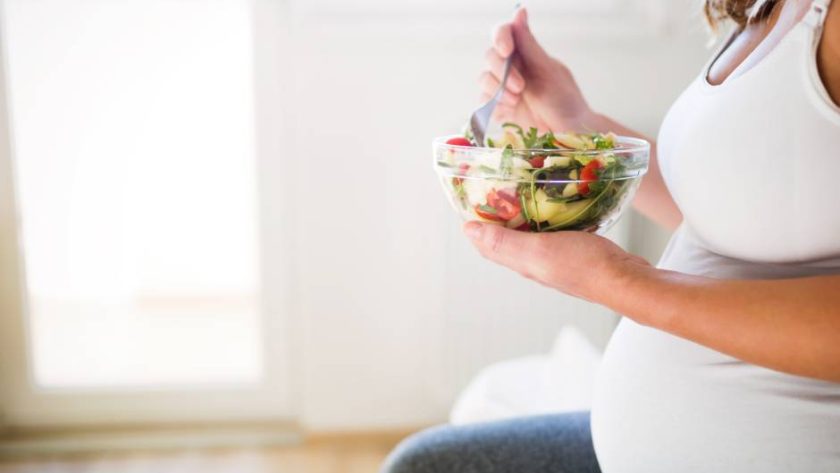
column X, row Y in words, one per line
column 542, row 190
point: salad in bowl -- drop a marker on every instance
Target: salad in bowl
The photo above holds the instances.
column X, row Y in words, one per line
column 542, row 182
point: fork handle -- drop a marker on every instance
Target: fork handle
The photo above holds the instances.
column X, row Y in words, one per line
column 501, row 90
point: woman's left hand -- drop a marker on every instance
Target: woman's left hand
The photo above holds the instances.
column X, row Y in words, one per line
column 576, row 263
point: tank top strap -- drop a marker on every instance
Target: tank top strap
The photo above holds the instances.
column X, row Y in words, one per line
column 816, row 14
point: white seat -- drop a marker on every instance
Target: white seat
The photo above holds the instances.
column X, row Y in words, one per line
column 560, row 381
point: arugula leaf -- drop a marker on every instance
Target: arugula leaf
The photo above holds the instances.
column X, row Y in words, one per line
column 523, row 204
column 547, row 141
column 506, row 164
column 515, row 127
column 526, row 140
column 597, row 187
column 531, row 138
column 564, row 200
column 601, row 141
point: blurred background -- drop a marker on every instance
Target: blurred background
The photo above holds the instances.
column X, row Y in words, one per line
column 222, row 245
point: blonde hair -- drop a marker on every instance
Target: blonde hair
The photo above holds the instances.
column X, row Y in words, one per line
column 739, row 11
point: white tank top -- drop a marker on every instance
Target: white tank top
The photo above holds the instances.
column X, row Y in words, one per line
column 754, row 165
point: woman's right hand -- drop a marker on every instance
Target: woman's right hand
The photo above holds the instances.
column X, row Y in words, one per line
column 540, row 90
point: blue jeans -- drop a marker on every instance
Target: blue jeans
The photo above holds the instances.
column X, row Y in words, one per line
column 560, row 443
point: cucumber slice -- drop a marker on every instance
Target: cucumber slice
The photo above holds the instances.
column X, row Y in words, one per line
column 572, row 214
column 540, row 208
column 577, row 211
column 557, row 161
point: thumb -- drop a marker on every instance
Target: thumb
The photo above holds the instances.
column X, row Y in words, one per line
column 521, row 251
column 527, row 46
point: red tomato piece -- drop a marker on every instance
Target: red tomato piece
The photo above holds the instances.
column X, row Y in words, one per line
column 537, row 161
column 458, row 141
column 588, row 174
column 505, row 202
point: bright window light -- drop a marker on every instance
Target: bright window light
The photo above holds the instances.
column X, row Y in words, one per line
column 132, row 125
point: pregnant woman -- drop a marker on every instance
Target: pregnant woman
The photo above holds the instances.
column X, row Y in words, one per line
column 728, row 357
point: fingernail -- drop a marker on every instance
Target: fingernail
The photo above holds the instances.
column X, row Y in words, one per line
column 522, row 13
column 472, row 230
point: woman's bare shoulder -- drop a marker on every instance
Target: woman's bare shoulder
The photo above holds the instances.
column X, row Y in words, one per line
column 829, row 52
column 832, row 24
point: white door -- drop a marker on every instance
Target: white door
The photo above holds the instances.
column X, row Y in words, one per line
column 132, row 284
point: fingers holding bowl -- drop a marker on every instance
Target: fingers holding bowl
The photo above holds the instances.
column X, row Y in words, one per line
column 529, row 254
column 572, row 262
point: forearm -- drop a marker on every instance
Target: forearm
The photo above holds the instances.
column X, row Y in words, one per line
column 788, row 325
column 652, row 199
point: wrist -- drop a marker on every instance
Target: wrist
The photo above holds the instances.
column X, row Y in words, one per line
column 640, row 292
column 593, row 120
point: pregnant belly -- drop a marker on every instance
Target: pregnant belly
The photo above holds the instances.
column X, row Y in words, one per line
column 663, row 404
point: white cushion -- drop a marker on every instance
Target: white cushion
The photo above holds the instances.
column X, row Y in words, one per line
column 561, row 381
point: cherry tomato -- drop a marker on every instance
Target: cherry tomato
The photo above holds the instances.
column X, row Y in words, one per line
column 588, row 174
column 537, row 161
column 505, row 202
column 458, row 141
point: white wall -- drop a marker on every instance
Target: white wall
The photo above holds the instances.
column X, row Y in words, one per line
column 388, row 310
column 393, row 311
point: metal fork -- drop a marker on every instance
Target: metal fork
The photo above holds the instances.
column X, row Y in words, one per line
column 480, row 118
